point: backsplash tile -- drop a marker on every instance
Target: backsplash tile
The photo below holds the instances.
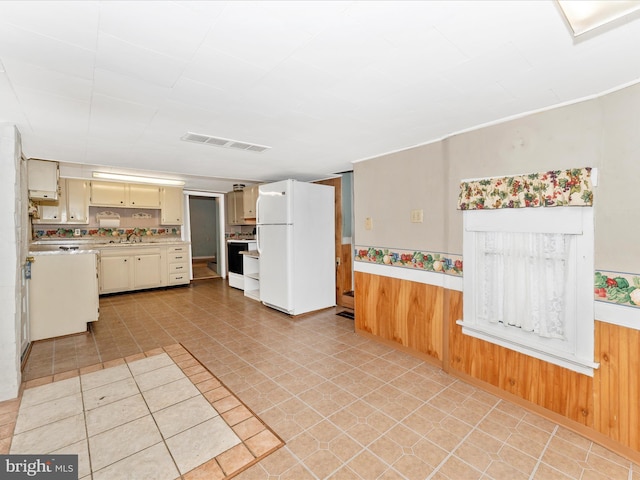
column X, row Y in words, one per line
column 102, row 233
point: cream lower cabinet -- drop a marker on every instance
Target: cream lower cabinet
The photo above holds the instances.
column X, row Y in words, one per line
column 115, row 273
column 178, row 265
column 124, row 268
column 127, row 268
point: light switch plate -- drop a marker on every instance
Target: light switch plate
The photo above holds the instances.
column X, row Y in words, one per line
column 417, row 216
column 368, row 223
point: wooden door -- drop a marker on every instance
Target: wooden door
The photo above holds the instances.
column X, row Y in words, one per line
column 343, row 252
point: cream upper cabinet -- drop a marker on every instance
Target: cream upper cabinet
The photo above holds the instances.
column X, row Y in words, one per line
column 51, row 211
column 171, row 205
column 133, row 195
column 42, row 179
column 109, row 194
column 235, row 208
column 144, row 196
column 77, row 193
column 71, row 207
column 250, row 198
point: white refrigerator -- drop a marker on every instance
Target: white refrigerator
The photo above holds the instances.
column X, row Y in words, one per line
column 295, row 236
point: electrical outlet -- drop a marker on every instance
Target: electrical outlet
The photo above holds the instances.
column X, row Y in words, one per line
column 417, row 216
column 76, row 232
column 368, row 223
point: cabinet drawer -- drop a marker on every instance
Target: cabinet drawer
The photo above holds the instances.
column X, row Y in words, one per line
column 178, row 267
column 177, row 257
column 178, row 249
column 178, row 278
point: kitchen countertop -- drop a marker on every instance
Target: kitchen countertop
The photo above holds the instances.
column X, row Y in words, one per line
column 89, row 246
column 59, row 251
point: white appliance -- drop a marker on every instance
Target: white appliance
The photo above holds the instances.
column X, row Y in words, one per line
column 295, row 235
column 235, row 261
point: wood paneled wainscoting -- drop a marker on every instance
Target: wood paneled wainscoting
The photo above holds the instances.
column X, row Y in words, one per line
column 421, row 319
column 404, row 313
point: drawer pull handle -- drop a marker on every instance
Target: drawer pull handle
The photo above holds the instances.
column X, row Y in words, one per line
column 179, row 268
column 179, row 258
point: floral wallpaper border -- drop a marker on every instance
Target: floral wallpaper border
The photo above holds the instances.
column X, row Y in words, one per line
column 611, row 287
column 429, row 261
column 553, row 188
column 616, row 287
column 96, row 233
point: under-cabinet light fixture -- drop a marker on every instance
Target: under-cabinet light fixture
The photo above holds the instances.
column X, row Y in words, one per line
column 137, row 179
column 585, row 15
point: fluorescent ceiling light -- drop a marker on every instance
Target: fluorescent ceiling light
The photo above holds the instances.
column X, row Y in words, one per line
column 137, row 179
column 585, row 15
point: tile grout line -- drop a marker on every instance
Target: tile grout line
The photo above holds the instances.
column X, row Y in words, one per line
column 464, row 439
column 397, row 422
column 201, row 394
column 253, row 415
column 164, row 440
column 544, row 450
column 86, row 428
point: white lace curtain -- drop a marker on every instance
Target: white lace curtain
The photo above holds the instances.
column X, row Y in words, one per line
column 522, row 280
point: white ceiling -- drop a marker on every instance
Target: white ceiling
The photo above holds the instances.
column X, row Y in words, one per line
column 322, row 83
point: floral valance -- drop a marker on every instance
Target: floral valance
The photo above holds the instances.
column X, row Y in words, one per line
column 554, row 188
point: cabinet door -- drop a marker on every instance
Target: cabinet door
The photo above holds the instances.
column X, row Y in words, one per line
column 249, row 201
column 108, row 194
column 230, row 207
column 171, row 203
column 115, row 274
column 147, row 271
column 77, row 193
column 235, row 212
column 144, row 196
column 239, row 198
column 53, row 211
column 42, row 179
column 50, row 212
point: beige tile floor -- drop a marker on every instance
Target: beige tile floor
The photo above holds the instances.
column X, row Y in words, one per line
column 347, row 407
column 159, row 416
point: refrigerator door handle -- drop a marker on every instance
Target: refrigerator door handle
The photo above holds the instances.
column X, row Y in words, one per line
column 258, row 238
column 258, row 208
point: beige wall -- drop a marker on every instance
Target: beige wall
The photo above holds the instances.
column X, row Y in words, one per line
column 389, row 187
column 618, row 197
column 602, row 132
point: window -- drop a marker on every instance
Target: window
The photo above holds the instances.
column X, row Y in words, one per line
column 528, row 282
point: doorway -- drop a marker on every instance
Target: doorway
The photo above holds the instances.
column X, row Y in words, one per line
column 204, row 228
column 343, row 241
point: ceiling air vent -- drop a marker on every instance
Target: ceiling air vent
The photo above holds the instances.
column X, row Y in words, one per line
column 222, row 142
